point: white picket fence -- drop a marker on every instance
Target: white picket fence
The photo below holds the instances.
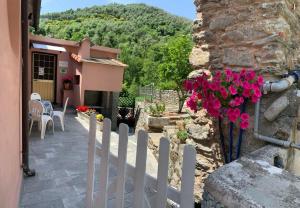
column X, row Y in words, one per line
column 163, row 192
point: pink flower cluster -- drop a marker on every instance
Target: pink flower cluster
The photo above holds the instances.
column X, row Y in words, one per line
column 223, row 93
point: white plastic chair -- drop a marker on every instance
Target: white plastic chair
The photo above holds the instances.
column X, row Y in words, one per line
column 61, row 115
column 35, row 96
column 36, row 110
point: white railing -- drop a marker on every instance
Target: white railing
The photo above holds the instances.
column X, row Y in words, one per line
column 163, row 192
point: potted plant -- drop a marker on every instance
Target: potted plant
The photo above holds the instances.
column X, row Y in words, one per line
column 224, row 94
column 67, row 82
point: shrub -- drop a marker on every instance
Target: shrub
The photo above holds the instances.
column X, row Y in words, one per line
column 157, row 109
column 182, row 135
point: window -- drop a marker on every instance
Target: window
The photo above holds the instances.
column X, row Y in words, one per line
column 77, row 79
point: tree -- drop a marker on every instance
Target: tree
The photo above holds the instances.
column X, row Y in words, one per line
column 175, row 65
column 137, row 29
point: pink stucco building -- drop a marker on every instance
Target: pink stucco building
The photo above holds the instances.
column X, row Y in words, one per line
column 95, row 73
column 31, row 63
column 94, row 70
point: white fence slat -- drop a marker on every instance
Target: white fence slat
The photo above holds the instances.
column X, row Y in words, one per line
column 140, row 165
column 104, row 164
column 184, row 198
column 188, row 177
column 162, row 173
column 121, row 167
column 150, row 181
column 91, row 162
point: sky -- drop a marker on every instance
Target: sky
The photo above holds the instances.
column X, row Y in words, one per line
column 184, row 8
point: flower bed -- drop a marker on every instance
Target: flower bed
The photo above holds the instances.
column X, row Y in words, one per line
column 84, row 112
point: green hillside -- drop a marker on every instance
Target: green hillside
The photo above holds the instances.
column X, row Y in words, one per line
column 139, row 30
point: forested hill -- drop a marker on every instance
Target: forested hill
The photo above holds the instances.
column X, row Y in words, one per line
column 137, row 29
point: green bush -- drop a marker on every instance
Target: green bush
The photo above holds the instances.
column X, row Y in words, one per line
column 182, row 135
column 157, row 109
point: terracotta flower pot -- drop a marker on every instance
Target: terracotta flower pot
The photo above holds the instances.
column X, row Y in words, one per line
column 67, row 86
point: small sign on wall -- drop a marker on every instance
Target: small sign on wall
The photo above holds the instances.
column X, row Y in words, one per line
column 63, row 66
column 41, row 71
column 63, row 70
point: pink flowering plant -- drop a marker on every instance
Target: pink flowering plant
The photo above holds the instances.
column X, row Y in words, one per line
column 224, row 92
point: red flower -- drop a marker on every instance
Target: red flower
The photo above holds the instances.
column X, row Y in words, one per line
column 228, row 73
column 188, row 85
column 244, row 124
column 223, row 95
column 247, row 85
column 223, row 92
column 232, row 90
column 216, row 104
column 260, row 80
column 245, row 116
column 246, row 93
column 254, row 99
column 82, row 108
column 67, row 79
column 250, row 75
column 233, row 114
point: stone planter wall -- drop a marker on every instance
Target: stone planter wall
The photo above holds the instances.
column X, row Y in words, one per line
column 86, row 118
column 157, row 123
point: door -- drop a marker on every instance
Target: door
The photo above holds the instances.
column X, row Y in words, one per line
column 43, row 82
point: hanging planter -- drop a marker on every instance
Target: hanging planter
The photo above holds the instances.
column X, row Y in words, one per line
column 224, row 94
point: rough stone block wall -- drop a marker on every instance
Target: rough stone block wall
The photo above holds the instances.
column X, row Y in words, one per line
column 209, row 201
column 259, row 34
column 166, row 96
column 263, row 34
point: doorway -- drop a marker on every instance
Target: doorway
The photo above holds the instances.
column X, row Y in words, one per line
column 43, row 75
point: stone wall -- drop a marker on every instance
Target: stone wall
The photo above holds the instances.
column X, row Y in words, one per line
column 166, row 96
column 264, row 34
column 209, row 201
column 259, row 34
column 200, row 132
column 256, row 180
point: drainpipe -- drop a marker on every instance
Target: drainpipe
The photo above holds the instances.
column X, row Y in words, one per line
column 278, row 86
column 262, row 137
column 25, row 98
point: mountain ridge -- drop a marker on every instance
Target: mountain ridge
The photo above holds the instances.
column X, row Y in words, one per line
column 134, row 28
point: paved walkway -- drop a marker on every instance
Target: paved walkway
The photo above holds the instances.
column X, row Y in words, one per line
column 60, row 161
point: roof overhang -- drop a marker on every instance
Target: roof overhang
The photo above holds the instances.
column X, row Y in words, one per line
column 60, row 42
column 48, row 47
column 105, row 61
column 52, row 41
column 112, row 62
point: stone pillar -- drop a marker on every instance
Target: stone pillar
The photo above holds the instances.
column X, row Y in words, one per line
column 263, row 35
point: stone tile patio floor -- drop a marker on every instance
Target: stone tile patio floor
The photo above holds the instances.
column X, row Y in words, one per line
column 60, row 162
